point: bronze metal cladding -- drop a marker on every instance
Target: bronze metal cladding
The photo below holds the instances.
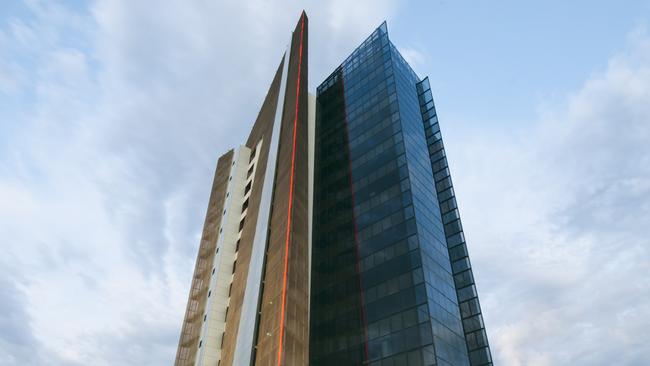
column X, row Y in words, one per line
column 188, row 343
column 286, row 341
column 281, row 340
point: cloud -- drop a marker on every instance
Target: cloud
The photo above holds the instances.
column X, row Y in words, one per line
column 413, row 56
column 112, row 118
column 13, row 321
column 556, row 218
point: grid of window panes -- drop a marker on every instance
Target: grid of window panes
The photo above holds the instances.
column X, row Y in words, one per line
column 382, row 288
column 448, row 336
column 474, row 329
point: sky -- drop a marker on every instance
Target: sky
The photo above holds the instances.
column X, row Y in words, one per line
column 114, row 112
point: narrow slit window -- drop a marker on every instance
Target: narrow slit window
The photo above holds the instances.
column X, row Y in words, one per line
column 252, row 154
column 244, row 206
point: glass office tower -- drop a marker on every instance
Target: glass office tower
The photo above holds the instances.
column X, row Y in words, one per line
column 391, row 283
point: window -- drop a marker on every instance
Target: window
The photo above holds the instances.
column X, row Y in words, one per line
column 241, row 224
column 244, row 206
column 250, row 171
column 248, row 187
column 253, row 154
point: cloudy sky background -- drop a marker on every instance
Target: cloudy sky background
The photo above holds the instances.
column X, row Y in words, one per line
column 113, row 113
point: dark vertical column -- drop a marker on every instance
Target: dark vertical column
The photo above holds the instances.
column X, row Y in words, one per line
column 470, row 309
column 336, row 279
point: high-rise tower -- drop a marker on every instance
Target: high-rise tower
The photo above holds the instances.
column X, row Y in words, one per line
column 248, row 301
column 391, row 280
column 332, row 235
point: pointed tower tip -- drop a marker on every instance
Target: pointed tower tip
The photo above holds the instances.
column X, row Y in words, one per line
column 384, row 26
column 302, row 20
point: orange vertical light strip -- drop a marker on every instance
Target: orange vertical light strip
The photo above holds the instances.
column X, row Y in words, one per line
column 291, row 178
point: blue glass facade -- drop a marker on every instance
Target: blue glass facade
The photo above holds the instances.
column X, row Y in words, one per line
column 470, row 309
column 383, row 288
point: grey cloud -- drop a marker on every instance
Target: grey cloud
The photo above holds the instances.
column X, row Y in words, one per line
column 16, row 340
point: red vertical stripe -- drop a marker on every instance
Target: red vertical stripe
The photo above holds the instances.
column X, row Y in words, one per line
column 291, row 179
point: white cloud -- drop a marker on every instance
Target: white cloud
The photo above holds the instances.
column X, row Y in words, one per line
column 557, row 218
column 413, row 56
